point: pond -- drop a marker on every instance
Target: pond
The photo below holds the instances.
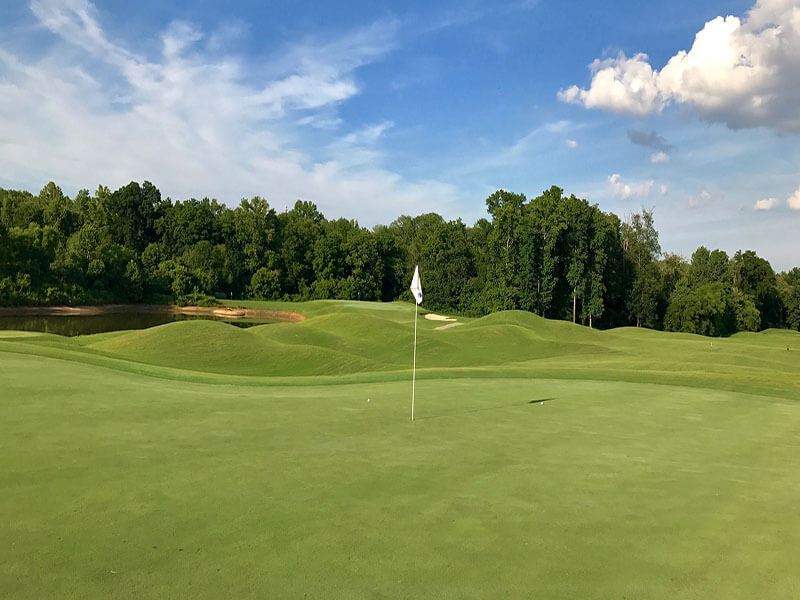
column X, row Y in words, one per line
column 71, row 325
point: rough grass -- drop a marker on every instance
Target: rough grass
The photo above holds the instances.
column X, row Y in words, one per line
column 200, row 460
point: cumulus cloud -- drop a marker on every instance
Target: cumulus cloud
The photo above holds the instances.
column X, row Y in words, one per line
column 624, row 189
column 765, row 204
column 621, row 84
column 197, row 121
column 744, row 72
column 794, row 200
column 572, row 144
column 659, row 158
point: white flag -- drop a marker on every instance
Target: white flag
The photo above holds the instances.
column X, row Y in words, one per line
column 416, row 286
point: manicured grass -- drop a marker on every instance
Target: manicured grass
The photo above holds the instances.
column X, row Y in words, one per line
column 547, row 461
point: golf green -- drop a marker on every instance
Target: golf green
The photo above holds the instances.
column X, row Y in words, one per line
column 547, row 460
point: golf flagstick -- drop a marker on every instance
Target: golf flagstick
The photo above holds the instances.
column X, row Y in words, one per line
column 414, row 370
column 416, row 289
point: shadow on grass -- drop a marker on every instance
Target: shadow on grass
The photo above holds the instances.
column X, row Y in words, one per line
column 456, row 413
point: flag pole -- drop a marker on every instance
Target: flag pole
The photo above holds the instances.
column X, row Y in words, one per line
column 414, row 370
column 416, row 289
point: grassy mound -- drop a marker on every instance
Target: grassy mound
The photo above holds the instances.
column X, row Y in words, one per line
column 347, row 338
column 353, row 340
column 216, row 347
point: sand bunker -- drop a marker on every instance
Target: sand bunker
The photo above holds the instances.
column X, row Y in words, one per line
column 448, row 326
column 435, row 317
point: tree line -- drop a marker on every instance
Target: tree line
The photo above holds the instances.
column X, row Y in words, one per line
column 555, row 255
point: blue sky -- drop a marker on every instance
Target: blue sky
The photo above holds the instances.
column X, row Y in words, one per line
column 376, row 109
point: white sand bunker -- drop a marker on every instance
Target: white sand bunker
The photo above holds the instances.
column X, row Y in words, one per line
column 435, row 317
column 448, row 326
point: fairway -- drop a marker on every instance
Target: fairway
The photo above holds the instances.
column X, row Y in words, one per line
column 548, row 460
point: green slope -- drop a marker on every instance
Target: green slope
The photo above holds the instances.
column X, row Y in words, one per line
column 548, row 460
column 118, row 485
column 352, row 340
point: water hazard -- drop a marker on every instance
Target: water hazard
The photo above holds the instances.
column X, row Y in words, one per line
column 71, row 325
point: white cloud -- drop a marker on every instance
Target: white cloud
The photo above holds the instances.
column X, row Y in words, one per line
column 359, row 148
column 664, row 189
column 523, row 146
column 659, row 158
column 765, row 204
column 572, row 144
column 794, row 200
column 556, row 126
column 369, row 134
column 196, row 122
column 700, row 199
column 629, row 189
column 626, row 85
column 321, row 121
column 741, row 72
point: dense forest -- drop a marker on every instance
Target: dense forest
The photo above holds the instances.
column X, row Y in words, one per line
column 555, row 255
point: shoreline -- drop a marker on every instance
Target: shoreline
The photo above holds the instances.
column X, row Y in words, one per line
column 169, row 309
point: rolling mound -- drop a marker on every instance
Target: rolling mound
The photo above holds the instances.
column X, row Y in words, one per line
column 354, row 341
column 215, row 347
column 346, row 339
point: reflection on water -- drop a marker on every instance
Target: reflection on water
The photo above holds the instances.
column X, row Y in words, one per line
column 83, row 325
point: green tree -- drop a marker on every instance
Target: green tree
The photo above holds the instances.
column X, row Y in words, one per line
column 603, row 247
column 299, row 230
column 265, row 284
column 100, row 267
column 709, row 267
column 410, row 234
column 183, row 224
column 641, row 249
column 701, row 309
column 551, row 225
column 364, row 267
column 131, row 213
column 578, row 238
column 392, row 260
column 506, row 209
column 754, row 277
column 788, row 285
column 706, row 301
column 747, row 316
column 330, row 259
column 673, row 268
column 255, row 225
column 58, row 211
column 19, row 209
column 449, row 268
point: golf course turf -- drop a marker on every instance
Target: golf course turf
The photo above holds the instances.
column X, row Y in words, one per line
column 548, row 460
